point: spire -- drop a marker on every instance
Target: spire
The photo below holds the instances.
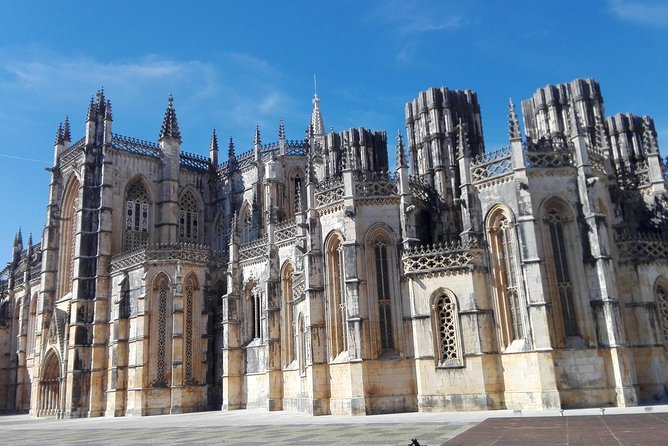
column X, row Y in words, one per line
column 316, row 116
column 170, row 128
column 463, row 149
column 67, row 136
column 101, row 102
column 401, row 151
column 19, row 238
column 213, row 149
column 59, row 135
column 648, row 136
column 513, row 123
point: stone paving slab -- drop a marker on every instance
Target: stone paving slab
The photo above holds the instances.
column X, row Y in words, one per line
column 604, row 430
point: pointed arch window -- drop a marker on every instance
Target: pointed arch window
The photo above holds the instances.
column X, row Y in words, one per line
column 221, row 236
column 189, row 218
column 124, row 301
column 662, row 309
column 136, row 216
column 30, row 330
column 506, row 284
column 337, row 323
column 447, row 331
column 562, row 273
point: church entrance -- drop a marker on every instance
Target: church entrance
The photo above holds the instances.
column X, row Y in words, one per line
column 49, row 387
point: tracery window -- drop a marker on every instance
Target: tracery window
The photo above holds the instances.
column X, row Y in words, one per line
column 447, row 336
column 384, row 301
column 662, row 309
column 137, row 215
column 189, row 218
column 561, row 271
column 337, row 323
column 288, row 335
column 505, row 278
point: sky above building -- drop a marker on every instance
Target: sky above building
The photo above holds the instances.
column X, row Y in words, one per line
column 232, row 65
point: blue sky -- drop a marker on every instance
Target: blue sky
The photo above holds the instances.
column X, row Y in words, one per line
column 232, row 65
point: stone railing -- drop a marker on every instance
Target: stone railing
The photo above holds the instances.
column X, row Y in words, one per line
column 442, row 257
column 286, row 230
column 185, row 252
column 374, row 184
column 134, row 145
column 642, row 247
column 491, row 165
column 253, row 249
column 548, row 153
column 329, row 191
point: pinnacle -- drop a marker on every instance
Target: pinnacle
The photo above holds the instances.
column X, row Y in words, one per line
column 401, row 151
column 281, row 130
column 170, row 127
column 59, row 135
column 230, row 150
column 67, row 136
column 513, row 123
column 214, row 140
column 256, row 138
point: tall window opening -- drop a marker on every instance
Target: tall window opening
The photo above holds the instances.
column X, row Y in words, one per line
column 447, row 336
column 288, row 332
column 384, row 301
column 189, row 218
column 337, row 323
column 68, row 227
column 30, row 330
column 246, row 224
column 561, row 272
column 662, row 309
column 162, row 344
column 505, row 277
column 189, row 291
column 136, row 217
column 253, row 311
column 301, row 334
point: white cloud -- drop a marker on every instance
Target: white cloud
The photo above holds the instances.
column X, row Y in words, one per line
column 410, row 16
column 642, row 13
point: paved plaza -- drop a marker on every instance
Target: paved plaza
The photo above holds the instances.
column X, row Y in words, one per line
column 638, row 425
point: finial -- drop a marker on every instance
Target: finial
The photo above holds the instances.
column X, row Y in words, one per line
column 67, row 136
column 230, row 150
column 513, row 123
column 401, row 151
column 59, row 135
column 19, row 237
column 170, row 127
column 101, row 103
column 315, row 86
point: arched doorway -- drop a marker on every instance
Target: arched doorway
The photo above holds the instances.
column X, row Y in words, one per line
column 49, row 386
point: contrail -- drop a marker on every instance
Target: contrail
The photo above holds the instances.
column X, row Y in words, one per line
column 23, row 158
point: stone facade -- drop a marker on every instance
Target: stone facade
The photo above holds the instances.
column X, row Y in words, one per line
column 304, row 275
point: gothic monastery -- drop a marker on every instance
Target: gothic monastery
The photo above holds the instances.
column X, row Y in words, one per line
column 308, row 276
